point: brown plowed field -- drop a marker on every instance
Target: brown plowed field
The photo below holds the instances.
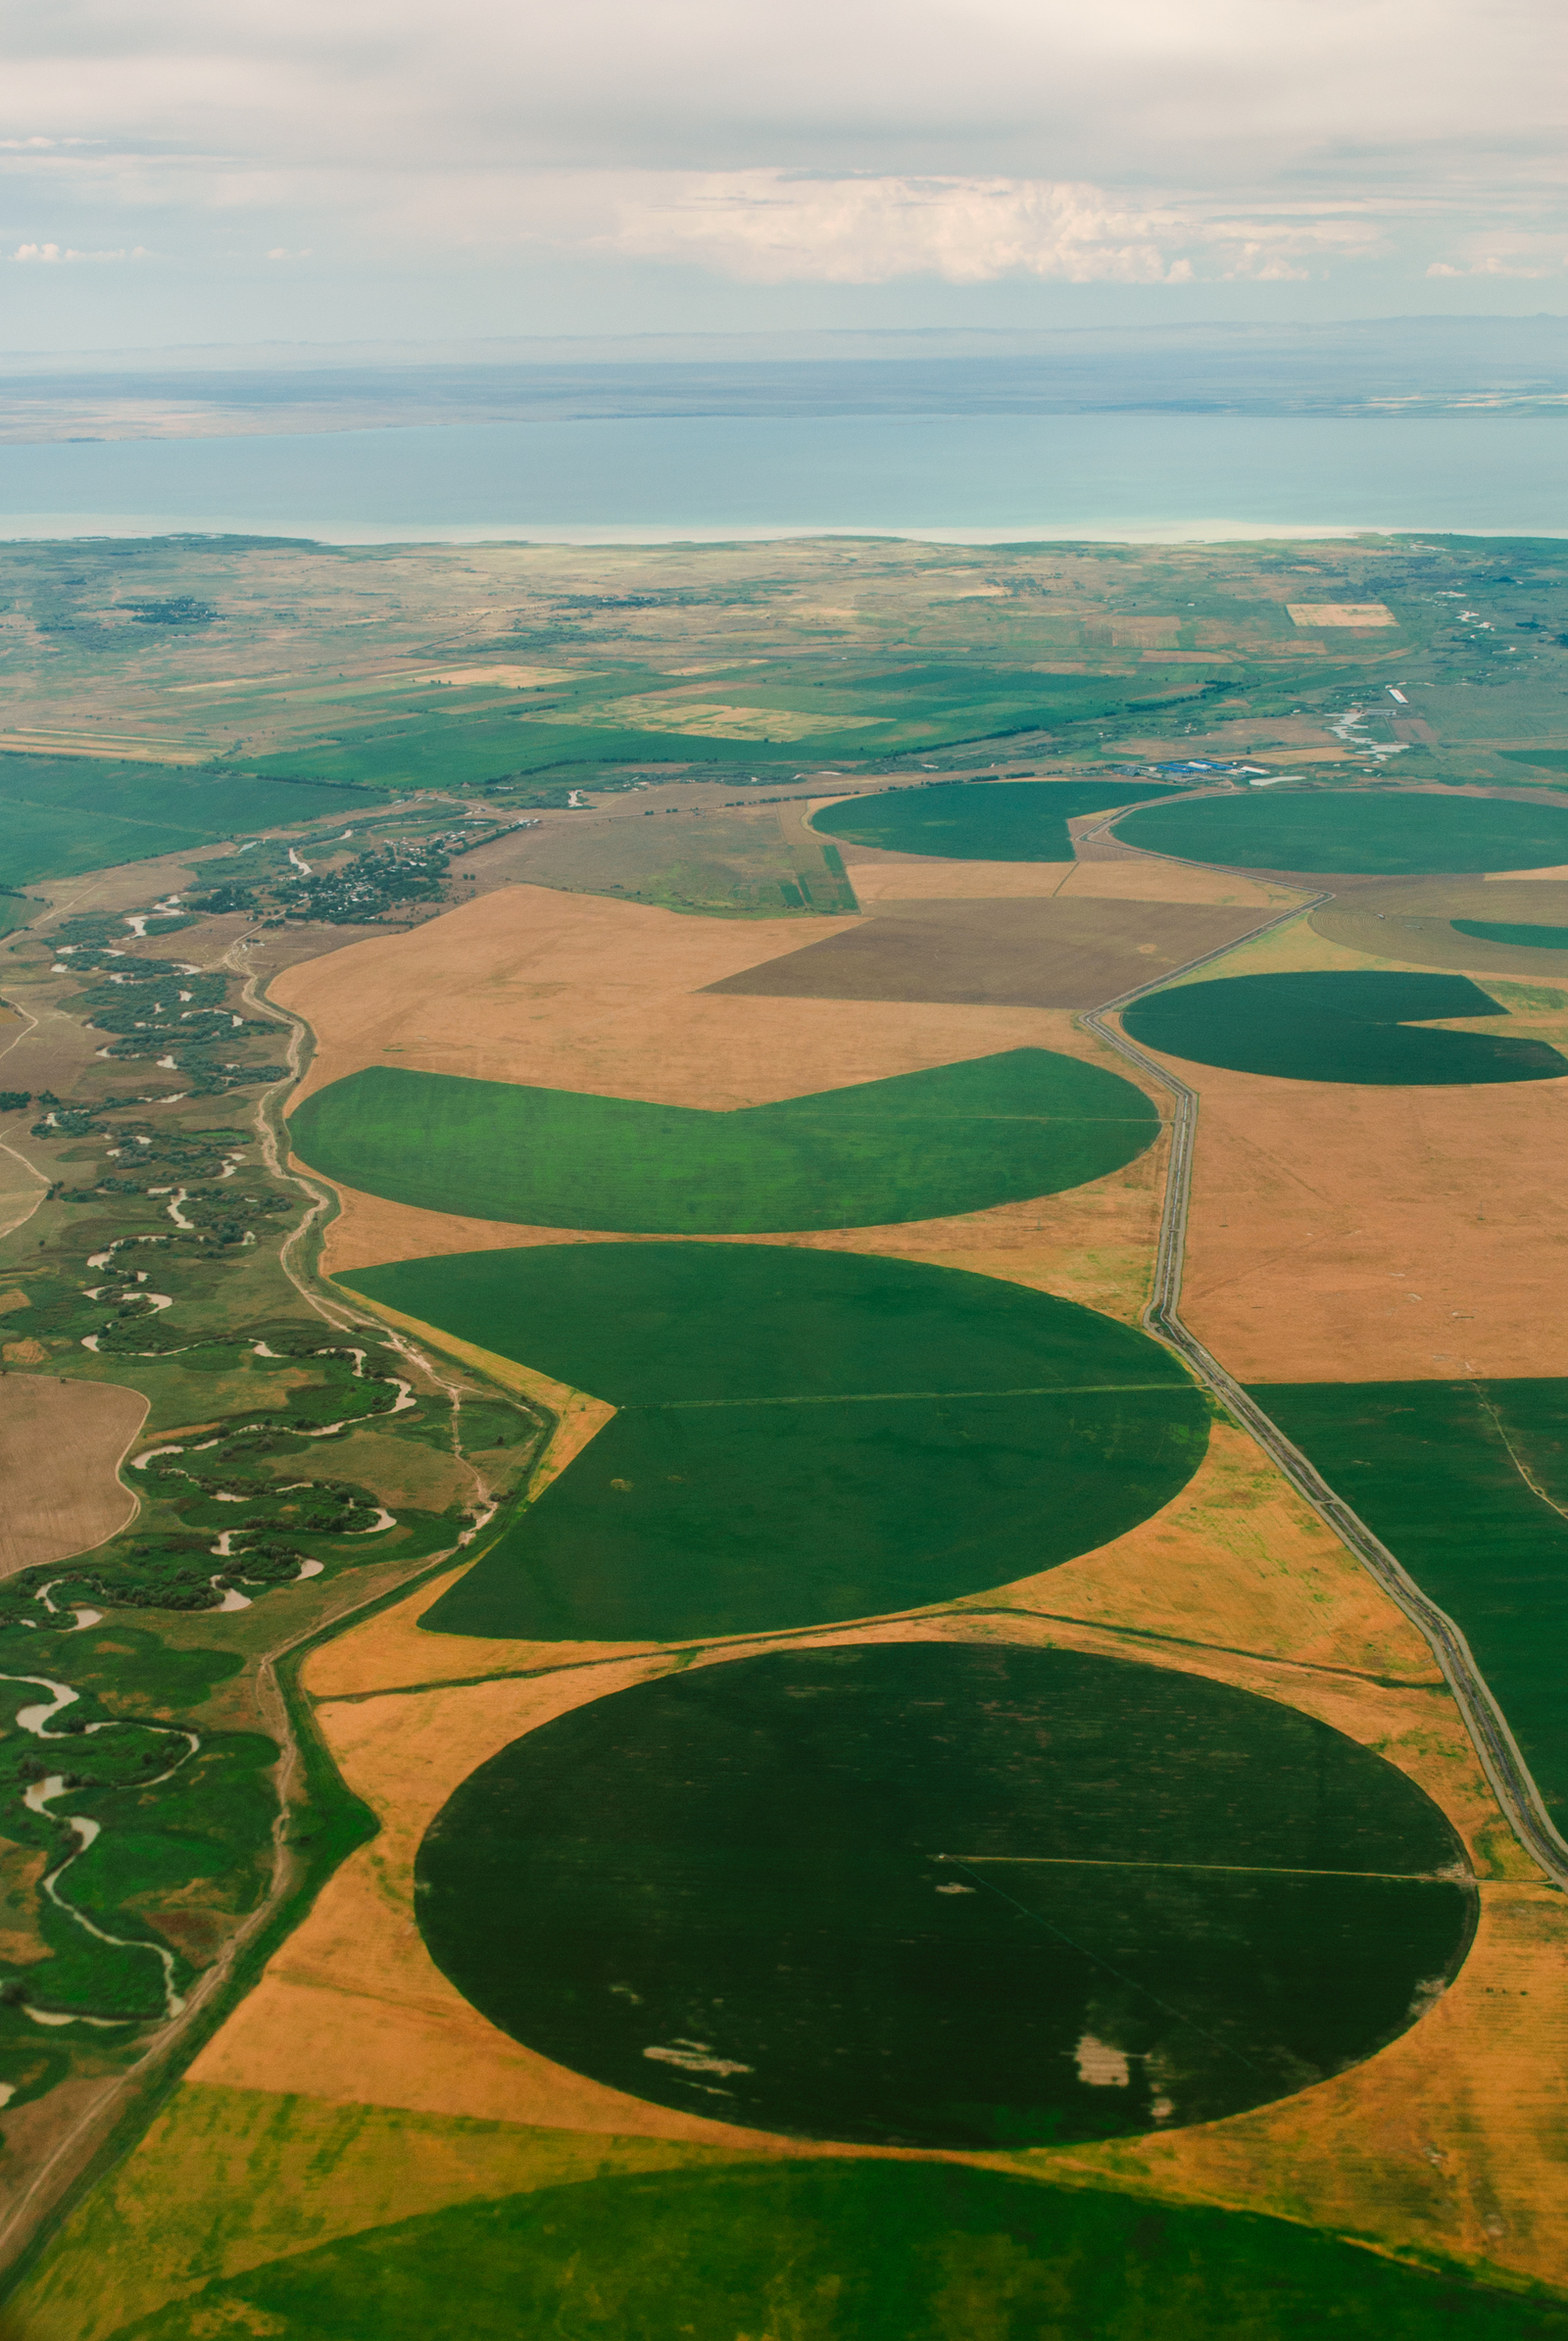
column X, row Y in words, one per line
column 1062, row 953
column 50, row 1512
column 1408, row 919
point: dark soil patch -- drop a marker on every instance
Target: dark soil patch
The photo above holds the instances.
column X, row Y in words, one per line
column 1057, row 953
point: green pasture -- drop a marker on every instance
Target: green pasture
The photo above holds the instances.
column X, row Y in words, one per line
column 1491, row 930
column 456, row 754
column 61, row 815
column 1352, row 1025
column 1438, row 1470
column 802, row 1436
column 1382, row 832
column 1548, row 760
column 911, row 710
column 959, row 1138
column 1002, row 820
column 835, row 2250
column 927, row 1894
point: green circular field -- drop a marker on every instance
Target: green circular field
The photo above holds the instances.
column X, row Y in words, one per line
column 1364, row 1026
column 1530, row 938
column 932, row 1894
column 1385, row 832
column 993, row 821
column 800, row 1436
column 917, row 1146
column 828, row 2249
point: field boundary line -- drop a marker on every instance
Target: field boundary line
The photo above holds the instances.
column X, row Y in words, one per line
column 1501, row 1760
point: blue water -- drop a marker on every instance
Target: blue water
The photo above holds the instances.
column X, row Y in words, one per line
column 963, row 476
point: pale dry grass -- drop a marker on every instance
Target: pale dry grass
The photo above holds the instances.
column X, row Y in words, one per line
column 51, row 1512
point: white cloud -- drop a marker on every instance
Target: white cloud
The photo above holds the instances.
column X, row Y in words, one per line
column 771, row 227
column 834, row 141
column 768, row 226
column 51, row 253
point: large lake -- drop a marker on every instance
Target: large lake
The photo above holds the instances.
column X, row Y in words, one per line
column 979, row 476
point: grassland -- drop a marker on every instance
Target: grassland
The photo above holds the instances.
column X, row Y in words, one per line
column 924, row 1896
column 62, row 816
column 1342, row 1024
column 1002, row 821
column 1465, row 1482
column 1377, row 831
column 803, row 1436
column 501, row 666
column 745, row 862
column 959, row 1138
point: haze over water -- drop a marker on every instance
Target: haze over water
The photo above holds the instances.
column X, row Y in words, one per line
column 960, row 475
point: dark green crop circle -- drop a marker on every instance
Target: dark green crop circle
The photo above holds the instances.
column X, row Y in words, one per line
column 1397, row 833
column 945, row 1895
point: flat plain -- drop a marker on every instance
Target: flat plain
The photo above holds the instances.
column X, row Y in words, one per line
column 671, row 1465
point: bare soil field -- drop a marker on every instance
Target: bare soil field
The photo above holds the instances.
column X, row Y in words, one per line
column 61, row 1443
column 1410, row 918
column 1062, row 953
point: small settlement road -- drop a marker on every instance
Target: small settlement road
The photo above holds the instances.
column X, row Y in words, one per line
column 1500, row 1760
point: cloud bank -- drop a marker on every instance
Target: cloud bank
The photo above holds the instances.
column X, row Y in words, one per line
column 1139, row 143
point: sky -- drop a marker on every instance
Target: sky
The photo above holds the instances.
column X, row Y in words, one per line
column 313, row 170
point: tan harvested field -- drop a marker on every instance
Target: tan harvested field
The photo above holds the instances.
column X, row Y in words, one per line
column 1063, row 954
column 1122, row 875
column 1339, row 1234
column 1341, row 613
column 879, row 877
column 51, row 1510
column 574, row 992
column 21, row 1189
column 1409, row 919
